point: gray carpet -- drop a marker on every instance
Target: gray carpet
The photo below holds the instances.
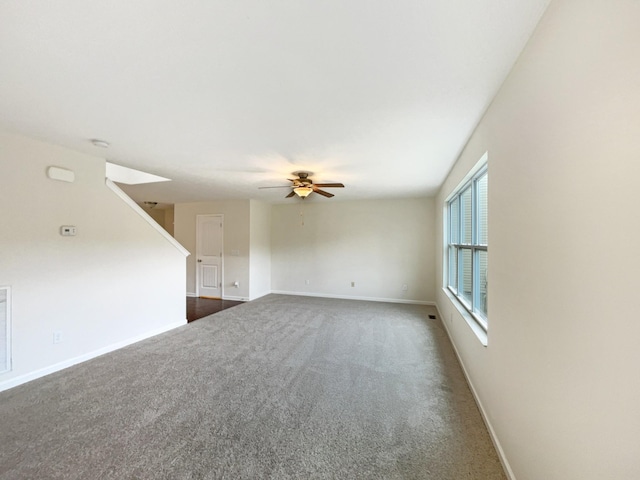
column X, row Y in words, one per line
column 282, row 387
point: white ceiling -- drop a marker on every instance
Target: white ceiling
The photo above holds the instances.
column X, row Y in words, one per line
column 226, row 96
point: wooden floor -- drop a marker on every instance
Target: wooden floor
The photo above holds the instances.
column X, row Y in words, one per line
column 201, row 307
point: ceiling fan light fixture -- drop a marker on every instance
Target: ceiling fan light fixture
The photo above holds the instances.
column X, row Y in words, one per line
column 303, row 192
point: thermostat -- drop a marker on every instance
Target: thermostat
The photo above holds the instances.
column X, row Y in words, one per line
column 68, row 230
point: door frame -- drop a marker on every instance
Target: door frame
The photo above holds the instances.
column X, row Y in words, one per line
column 221, row 217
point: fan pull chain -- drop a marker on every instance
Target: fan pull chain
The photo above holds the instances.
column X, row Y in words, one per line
column 301, row 218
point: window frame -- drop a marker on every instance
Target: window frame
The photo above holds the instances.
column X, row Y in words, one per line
column 458, row 245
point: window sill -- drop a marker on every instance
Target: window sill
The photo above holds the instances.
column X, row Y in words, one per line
column 475, row 328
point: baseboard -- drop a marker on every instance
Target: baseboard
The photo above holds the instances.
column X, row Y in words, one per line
column 14, row 382
column 492, row 433
column 191, row 294
column 353, row 297
column 237, row 299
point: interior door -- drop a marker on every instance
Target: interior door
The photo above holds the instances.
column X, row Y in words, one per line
column 209, row 256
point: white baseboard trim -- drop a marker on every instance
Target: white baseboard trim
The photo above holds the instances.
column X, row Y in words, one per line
column 237, row 299
column 492, row 433
column 353, row 297
column 191, row 294
column 14, row 382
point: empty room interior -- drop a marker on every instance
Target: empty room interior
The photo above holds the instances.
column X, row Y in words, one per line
column 423, row 212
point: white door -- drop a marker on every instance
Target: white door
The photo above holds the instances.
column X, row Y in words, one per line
column 209, row 256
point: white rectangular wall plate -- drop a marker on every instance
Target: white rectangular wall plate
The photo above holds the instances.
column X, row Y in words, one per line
column 61, row 174
column 68, row 230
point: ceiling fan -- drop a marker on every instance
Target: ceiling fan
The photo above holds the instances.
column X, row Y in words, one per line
column 303, row 186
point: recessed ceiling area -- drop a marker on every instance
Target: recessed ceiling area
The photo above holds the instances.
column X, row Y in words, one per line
column 227, row 97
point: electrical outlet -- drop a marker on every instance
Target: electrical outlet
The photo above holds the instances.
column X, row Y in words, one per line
column 307, row 282
column 404, row 287
column 353, row 284
column 57, row 336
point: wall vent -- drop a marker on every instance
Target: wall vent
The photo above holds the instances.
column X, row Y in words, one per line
column 5, row 330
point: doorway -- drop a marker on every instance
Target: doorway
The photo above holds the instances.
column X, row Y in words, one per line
column 209, row 272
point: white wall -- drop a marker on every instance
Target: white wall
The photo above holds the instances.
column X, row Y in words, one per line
column 260, row 249
column 378, row 244
column 559, row 379
column 236, row 237
column 116, row 281
column 162, row 216
column 168, row 220
column 155, row 213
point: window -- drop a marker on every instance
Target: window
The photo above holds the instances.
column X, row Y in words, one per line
column 467, row 242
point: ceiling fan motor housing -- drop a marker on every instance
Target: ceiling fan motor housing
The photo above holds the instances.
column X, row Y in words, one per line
column 303, row 179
